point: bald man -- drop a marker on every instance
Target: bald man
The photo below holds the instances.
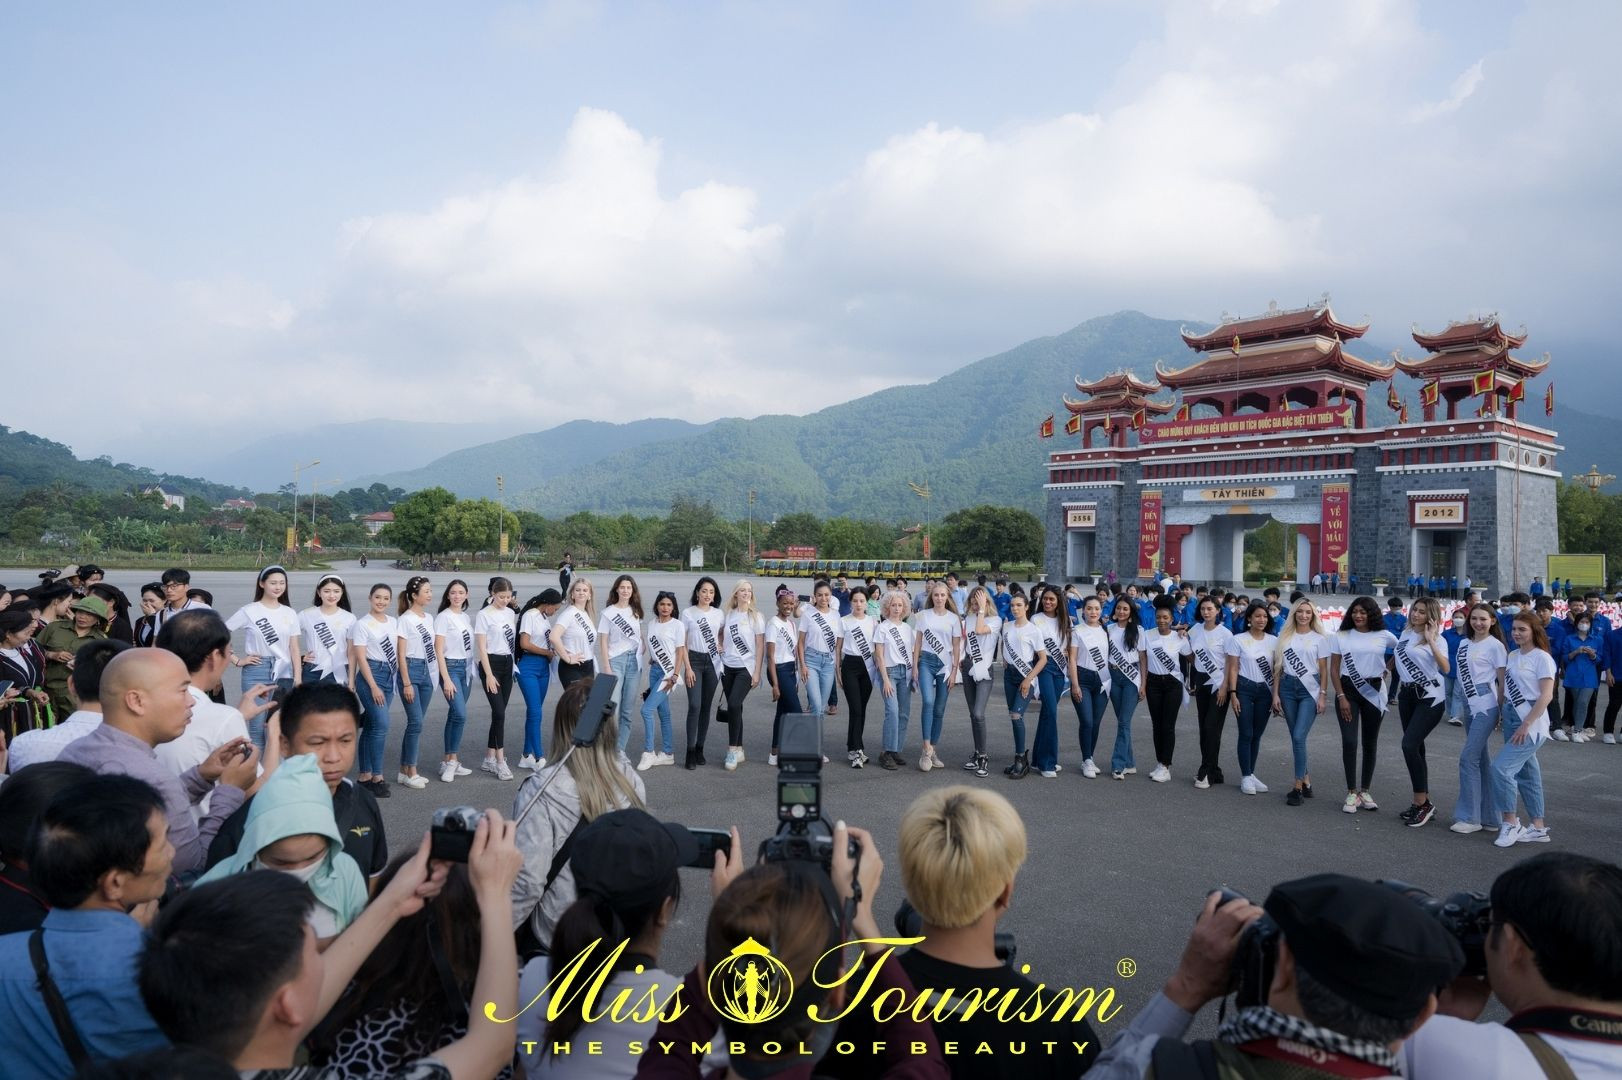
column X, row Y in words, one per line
column 145, row 702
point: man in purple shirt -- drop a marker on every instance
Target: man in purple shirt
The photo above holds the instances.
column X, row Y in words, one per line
column 145, row 702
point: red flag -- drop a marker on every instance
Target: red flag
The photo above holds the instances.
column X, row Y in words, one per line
column 1072, row 426
column 1517, row 392
column 1430, row 393
column 1392, row 401
column 1402, row 414
column 1183, row 413
column 1548, row 401
column 1047, row 428
column 1140, row 418
column 1481, row 382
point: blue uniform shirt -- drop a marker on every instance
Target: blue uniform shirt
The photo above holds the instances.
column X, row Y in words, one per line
column 1582, row 671
column 1612, row 654
column 92, row 957
column 1396, row 622
column 1004, row 603
column 1558, row 632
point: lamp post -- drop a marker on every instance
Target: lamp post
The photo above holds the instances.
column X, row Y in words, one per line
column 501, row 522
column 297, row 468
column 751, row 526
column 1593, row 479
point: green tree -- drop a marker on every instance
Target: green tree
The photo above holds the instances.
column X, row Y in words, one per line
column 995, row 534
column 846, row 538
column 799, row 529
column 687, row 527
column 471, row 525
column 417, row 517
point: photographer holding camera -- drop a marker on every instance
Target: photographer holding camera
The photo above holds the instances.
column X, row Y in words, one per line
column 1332, row 975
column 1554, row 959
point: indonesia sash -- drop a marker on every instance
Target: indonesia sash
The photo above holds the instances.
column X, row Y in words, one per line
column 1121, row 662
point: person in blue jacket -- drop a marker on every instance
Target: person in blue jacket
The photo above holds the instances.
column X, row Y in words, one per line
column 1568, row 588
column 1453, row 586
column 1536, row 588
column 1613, row 675
column 1457, row 630
column 1582, row 661
column 1395, row 622
column 1002, row 599
column 1509, row 605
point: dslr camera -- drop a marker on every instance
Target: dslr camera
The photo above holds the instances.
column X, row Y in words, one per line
column 451, row 836
column 908, row 923
column 803, row 834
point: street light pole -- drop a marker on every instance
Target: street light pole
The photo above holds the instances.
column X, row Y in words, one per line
column 501, row 522
column 297, row 468
column 751, row 526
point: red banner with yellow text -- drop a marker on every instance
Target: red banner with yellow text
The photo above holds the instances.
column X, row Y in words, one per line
column 1282, row 422
column 1332, row 531
column 1151, row 525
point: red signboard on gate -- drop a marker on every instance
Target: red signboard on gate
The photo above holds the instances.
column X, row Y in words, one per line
column 799, row 552
column 1335, row 509
column 1266, row 423
column 1150, row 524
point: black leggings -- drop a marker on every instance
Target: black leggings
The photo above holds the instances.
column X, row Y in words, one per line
column 501, row 666
column 1613, row 702
column 1420, row 715
column 569, row 674
column 858, row 689
column 1212, row 719
column 978, row 695
column 735, row 686
column 1367, row 717
column 699, row 698
column 1164, row 696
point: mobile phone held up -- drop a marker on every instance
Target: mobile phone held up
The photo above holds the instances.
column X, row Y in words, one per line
column 710, row 841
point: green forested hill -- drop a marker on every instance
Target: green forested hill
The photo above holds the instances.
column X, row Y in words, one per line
column 28, row 461
column 971, row 435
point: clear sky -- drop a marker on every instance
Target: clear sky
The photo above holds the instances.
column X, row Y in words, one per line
column 223, row 217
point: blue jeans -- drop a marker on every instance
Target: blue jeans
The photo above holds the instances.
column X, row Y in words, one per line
column 1045, row 747
column 316, row 675
column 1016, row 705
column 819, row 680
column 377, row 716
column 260, row 674
column 1516, row 768
column 422, row 685
column 1300, row 710
column 788, row 696
column 1089, row 709
column 657, row 701
column 456, row 714
column 1456, row 704
column 533, row 675
column 1255, row 706
column 1476, row 803
column 897, row 708
column 625, row 667
column 932, row 691
column 1123, row 693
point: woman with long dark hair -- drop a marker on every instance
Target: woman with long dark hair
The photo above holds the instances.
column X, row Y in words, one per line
column 1164, row 690
column 533, row 672
column 324, row 628
column 374, row 661
column 453, row 644
column 619, row 646
column 1208, row 643
column 118, row 618
column 1250, row 688
column 1357, row 673
column 1089, row 673
column 146, row 627
column 495, row 636
column 1023, row 659
column 666, row 639
column 820, row 634
column 1126, row 665
column 419, row 672
column 857, row 669
column 703, row 620
column 272, row 646
column 1052, row 621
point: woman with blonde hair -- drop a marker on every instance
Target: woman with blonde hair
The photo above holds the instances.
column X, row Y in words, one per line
column 1421, row 661
column 938, row 648
column 574, row 635
column 593, row 780
column 743, row 648
column 982, row 626
column 898, row 675
column 1300, row 674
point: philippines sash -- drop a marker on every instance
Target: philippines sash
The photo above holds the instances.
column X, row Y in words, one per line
column 830, row 640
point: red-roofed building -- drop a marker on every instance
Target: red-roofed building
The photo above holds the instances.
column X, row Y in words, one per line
column 374, row 522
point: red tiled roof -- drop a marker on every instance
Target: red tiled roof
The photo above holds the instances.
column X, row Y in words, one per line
column 1318, row 355
column 1275, row 326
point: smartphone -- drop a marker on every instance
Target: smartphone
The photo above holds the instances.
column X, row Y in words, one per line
column 709, row 842
column 6, row 684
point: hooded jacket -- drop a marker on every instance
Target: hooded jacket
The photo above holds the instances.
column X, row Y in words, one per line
column 294, row 801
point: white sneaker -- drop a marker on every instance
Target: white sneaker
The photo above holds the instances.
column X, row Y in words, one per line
column 1255, row 782
column 447, row 772
column 1089, row 769
column 1508, row 833
column 648, row 760
column 1050, row 774
column 664, row 759
column 1118, row 775
column 1201, row 783
column 731, row 762
column 502, row 771
column 741, row 756
column 462, row 770
column 1366, row 801
column 1533, row 835
column 489, row 765
column 1578, row 737
column 1350, row 805
column 527, row 761
column 1160, row 774
column 1464, row 828
column 1247, row 785
column 1559, row 735
column 1608, row 740
column 771, row 759
column 1455, row 721
column 924, row 764
column 935, row 760
column 1130, row 770
column 415, row 783
column 540, row 763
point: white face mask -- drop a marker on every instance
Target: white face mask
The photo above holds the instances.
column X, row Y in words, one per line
column 303, row 873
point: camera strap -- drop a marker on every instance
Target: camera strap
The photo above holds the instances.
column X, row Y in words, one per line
column 1569, row 1024
column 66, row 1030
column 442, row 966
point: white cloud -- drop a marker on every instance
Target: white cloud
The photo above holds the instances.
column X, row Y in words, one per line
column 1457, row 94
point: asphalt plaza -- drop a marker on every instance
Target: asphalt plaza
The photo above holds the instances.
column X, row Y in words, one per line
column 1117, row 870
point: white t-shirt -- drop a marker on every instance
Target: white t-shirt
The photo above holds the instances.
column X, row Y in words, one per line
column 822, row 631
column 1362, row 661
column 1299, row 657
column 327, row 639
column 211, row 726
column 784, row 638
column 1123, row 658
column 537, row 626
column 858, row 639
column 1479, row 663
column 1209, row 648
column 738, row 635
column 664, row 640
column 499, row 629
column 622, row 628
column 377, row 638
column 271, row 632
column 1446, row 1047
column 703, row 634
column 1163, row 650
column 457, row 632
column 894, row 641
column 980, row 649
column 1020, row 647
column 1522, row 674
column 418, row 633
column 1048, row 628
column 1416, row 663
column 1255, row 657
column 938, row 632
column 579, row 633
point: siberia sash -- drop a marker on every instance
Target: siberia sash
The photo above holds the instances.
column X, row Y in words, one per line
column 1415, row 672
column 830, row 640
column 1297, row 666
column 979, row 663
column 1370, row 690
